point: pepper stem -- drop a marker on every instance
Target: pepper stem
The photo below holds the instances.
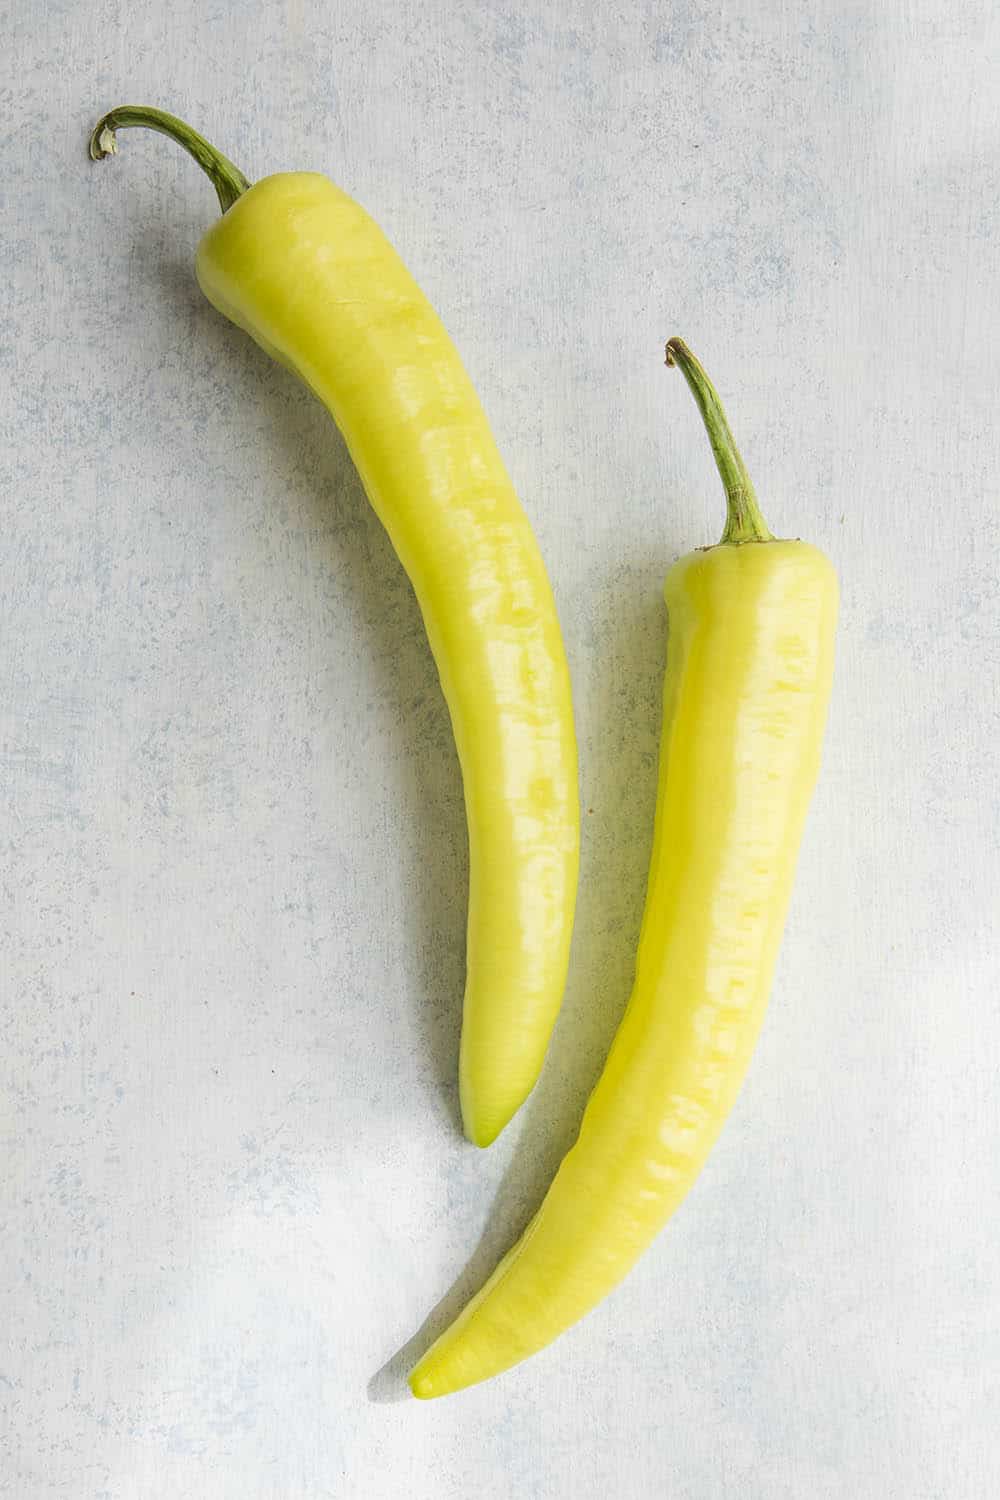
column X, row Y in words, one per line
column 744, row 522
column 227, row 180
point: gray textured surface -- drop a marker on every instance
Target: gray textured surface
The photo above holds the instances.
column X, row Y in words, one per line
column 233, row 843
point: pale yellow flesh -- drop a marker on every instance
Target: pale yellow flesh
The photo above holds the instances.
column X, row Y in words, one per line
column 748, row 677
column 312, row 278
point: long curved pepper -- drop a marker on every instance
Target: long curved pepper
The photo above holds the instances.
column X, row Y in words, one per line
column 748, row 677
column 307, row 273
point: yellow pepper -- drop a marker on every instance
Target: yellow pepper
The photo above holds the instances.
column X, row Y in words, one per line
column 748, row 678
column 305, row 271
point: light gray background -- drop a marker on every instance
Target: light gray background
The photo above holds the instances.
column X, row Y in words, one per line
column 233, row 870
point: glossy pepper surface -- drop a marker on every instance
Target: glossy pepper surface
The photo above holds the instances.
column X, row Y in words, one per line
column 749, row 667
column 310, row 276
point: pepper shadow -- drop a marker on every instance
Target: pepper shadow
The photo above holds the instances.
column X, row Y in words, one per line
column 622, row 698
column 353, row 547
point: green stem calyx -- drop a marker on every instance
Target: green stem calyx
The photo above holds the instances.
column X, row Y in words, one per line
column 227, row 180
column 744, row 522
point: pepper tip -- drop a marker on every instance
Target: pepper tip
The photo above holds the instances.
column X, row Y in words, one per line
column 421, row 1384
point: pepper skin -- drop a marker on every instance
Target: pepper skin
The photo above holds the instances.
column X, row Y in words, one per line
column 748, row 678
column 307, row 273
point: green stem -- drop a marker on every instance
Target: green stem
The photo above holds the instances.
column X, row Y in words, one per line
column 227, row 180
column 744, row 522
